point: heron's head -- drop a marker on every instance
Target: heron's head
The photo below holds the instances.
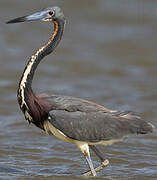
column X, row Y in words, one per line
column 49, row 14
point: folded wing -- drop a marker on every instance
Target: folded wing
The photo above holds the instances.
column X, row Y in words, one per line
column 97, row 126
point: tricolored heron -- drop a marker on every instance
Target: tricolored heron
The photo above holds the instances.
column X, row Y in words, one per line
column 70, row 119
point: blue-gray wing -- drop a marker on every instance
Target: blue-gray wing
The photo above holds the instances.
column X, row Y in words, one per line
column 73, row 104
column 96, row 126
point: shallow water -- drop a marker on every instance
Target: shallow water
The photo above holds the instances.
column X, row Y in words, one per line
column 107, row 55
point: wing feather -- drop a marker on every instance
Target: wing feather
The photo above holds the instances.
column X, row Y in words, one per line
column 96, row 126
column 73, row 104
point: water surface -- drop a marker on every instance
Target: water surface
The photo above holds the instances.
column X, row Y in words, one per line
column 107, row 55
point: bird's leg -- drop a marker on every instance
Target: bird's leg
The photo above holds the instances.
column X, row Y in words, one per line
column 84, row 148
column 89, row 161
column 104, row 161
column 99, row 168
column 98, row 153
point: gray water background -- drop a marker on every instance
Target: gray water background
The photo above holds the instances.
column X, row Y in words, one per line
column 108, row 54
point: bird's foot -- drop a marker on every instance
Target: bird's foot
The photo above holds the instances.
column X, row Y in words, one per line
column 99, row 168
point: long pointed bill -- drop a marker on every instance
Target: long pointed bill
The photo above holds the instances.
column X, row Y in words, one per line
column 33, row 17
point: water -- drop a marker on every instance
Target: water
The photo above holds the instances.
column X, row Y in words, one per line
column 107, row 55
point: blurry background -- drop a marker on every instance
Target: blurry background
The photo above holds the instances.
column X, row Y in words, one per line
column 108, row 54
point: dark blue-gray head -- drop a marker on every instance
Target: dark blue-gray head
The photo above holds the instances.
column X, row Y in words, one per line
column 49, row 14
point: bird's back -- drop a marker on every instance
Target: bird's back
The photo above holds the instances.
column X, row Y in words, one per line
column 86, row 121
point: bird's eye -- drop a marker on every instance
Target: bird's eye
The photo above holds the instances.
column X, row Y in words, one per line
column 51, row 13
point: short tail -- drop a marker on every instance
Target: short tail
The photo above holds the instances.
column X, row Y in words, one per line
column 146, row 127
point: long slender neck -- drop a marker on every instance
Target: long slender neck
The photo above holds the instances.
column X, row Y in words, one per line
column 25, row 93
